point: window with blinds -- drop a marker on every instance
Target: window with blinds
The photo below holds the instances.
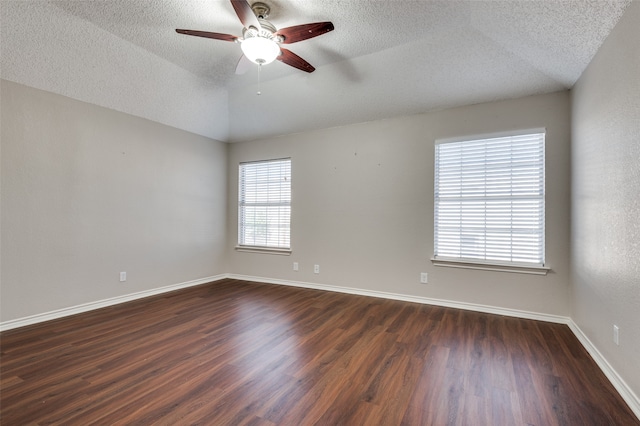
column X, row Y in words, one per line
column 489, row 200
column 264, row 204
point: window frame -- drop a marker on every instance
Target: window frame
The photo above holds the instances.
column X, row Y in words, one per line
column 490, row 264
column 254, row 248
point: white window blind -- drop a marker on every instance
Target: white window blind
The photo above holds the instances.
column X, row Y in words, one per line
column 264, row 210
column 489, row 200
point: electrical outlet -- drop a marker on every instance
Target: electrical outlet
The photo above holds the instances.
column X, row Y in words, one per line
column 295, row 266
column 316, row 269
column 424, row 277
column 616, row 334
column 123, row 276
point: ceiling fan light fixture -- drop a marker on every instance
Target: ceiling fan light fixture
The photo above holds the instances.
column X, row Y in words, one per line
column 260, row 41
column 260, row 50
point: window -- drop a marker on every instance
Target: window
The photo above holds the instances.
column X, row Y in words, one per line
column 489, row 201
column 264, row 204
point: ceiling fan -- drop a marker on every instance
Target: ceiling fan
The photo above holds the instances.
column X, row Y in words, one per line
column 261, row 40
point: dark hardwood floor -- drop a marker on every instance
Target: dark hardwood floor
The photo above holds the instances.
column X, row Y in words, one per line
column 236, row 353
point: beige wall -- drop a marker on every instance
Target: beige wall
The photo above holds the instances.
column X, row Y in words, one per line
column 363, row 206
column 88, row 192
column 606, row 199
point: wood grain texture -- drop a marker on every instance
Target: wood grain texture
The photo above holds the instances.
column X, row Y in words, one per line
column 241, row 353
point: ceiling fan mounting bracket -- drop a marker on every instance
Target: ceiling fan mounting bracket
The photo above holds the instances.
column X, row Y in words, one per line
column 261, row 10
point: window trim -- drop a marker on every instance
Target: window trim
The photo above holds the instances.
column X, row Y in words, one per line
column 262, row 249
column 490, row 266
column 247, row 248
column 494, row 265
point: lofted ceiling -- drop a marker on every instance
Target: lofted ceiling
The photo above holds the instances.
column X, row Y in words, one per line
column 384, row 58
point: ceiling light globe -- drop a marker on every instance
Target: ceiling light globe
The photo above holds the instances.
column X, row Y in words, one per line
column 260, row 50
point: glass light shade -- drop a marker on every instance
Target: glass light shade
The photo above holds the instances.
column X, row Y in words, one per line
column 260, row 50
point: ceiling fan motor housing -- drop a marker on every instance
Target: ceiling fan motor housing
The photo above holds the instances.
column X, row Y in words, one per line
column 261, row 10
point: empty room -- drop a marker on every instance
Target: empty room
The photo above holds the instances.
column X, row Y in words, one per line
column 336, row 212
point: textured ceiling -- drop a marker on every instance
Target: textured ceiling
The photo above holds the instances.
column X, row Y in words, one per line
column 384, row 58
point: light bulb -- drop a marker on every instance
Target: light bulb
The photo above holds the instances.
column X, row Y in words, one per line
column 260, row 50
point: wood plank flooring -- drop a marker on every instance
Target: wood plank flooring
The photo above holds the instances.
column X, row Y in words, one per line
column 241, row 353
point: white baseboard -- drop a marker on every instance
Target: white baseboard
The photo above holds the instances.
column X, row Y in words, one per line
column 621, row 386
column 625, row 391
column 415, row 299
column 85, row 307
column 60, row 313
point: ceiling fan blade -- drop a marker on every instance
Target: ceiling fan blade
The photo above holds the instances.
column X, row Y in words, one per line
column 207, row 34
column 245, row 13
column 303, row 32
column 243, row 65
column 290, row 58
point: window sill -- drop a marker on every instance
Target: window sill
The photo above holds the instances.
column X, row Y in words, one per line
column 487, row 266
column 265, row 250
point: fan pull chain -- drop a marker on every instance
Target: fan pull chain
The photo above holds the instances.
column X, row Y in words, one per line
column 259, row 68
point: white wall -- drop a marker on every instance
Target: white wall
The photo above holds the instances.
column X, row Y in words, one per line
column 606, row 199
column 88, row 192
column 363, row 206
